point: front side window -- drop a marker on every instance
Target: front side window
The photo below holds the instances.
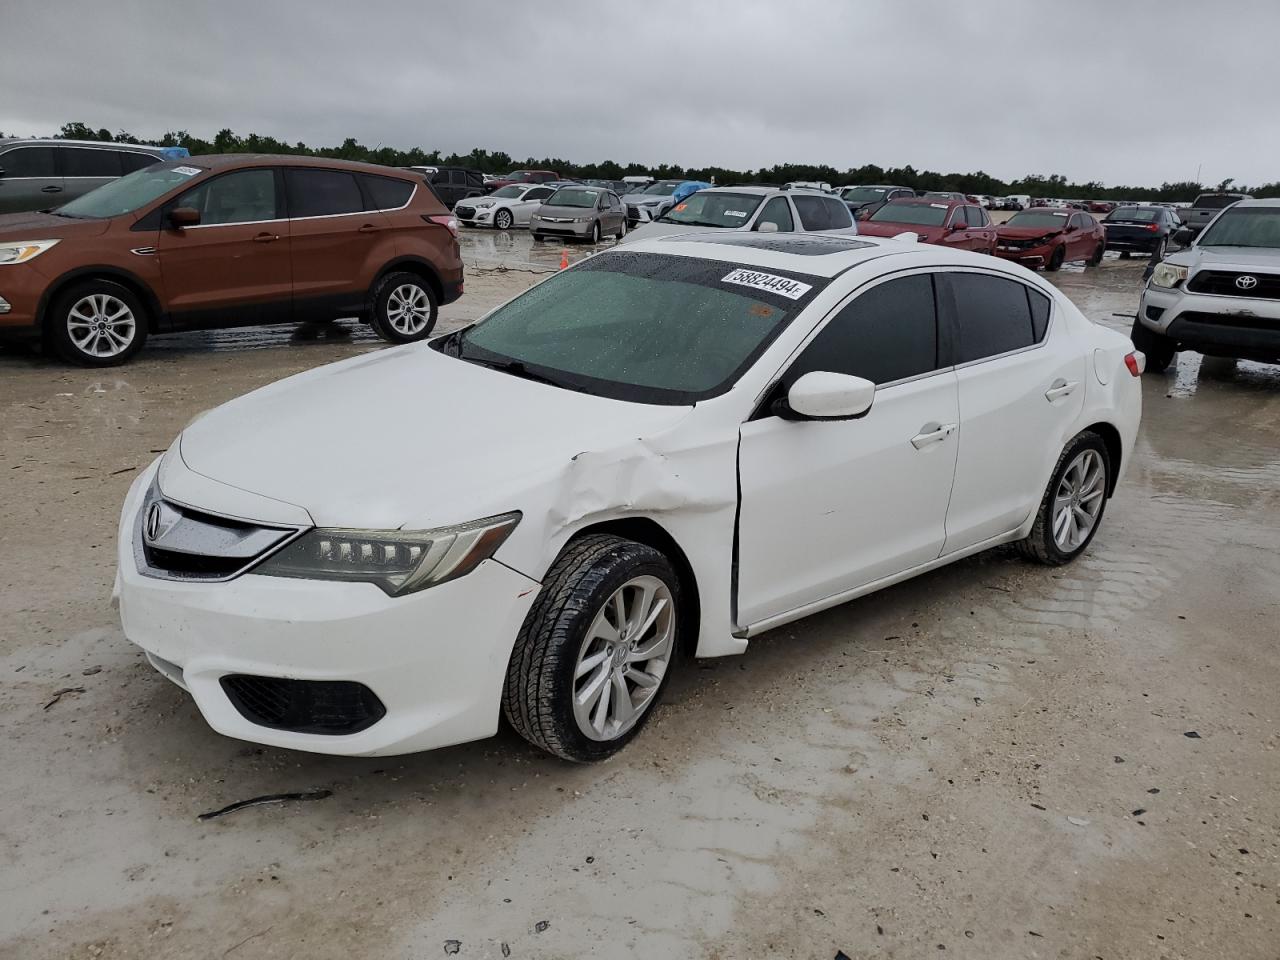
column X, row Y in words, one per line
column 888, row 333
column 322, row 193
column 87, row 162
column 131, row 192
column 777, row 212
column 993, row 314
column 243, row 196
column 1244, row 227
column 714, row 210
column 1134, row 215
column 651, row 328
column 28, row 162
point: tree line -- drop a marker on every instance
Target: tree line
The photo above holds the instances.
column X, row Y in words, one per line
column 498, row 161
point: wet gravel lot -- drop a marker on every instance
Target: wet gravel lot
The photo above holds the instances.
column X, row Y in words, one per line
column 995, row 760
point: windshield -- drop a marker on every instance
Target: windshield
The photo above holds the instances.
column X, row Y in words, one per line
column 573, row 197
column 130, row 192
column 1033, row 218
column 920, row 214
column 651, row 328
column 863, row 194
column 664, row 189
column 519, row 176
column 1214, row 201
column 714, row 210
column 509, row 193
column 1133, row 215
column 1244, row 227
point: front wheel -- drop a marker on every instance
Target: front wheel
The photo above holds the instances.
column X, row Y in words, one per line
column 97, row 323
column 594, row 652
column 1073, row 503
column 1097, row 254
column 1158, row 348
column 404, row 308
column 1056, row 258
column 622, row 229
column 595, row 232
column 503, row 219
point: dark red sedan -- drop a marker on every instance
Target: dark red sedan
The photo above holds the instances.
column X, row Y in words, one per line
column 1049, row 238
column 949, row 223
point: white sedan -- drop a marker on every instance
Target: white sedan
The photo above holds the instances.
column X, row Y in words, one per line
column 506, row 207
column 668, row 449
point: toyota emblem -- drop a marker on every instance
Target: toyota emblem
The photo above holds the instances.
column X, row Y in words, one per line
column 1246, row 282
column 153, row 522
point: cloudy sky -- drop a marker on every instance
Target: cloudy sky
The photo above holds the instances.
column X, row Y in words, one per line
column 1123, row 91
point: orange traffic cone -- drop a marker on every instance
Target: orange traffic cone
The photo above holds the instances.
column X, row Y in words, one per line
column 564, row 259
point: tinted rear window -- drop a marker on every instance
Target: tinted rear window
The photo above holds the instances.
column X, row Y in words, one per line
column 386, row 193
column 84, row 162
column 28, row 162
column 130, row 162
column 322, row 193
column 821, row 213
column 1133, row 215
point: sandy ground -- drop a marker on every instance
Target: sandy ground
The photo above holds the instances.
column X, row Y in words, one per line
column 996, row 760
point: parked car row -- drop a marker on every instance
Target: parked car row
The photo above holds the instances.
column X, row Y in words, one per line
column 36, row 173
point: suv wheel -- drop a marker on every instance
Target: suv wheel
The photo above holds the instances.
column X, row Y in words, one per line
column 593, row 655
column 1158, row 348
column 1071, row 511
column 97, row 323
column 404, row 308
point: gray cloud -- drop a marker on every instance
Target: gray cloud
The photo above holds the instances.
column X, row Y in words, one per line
column 1125, row 92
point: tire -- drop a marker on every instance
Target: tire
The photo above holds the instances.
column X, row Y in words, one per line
column 537, row 237
column 622, row 230
column 562, row 629
column 1124, row 254
column 1161, row 248
column 97, row 323
column 595, row 233
column 1158, row 348
column 1097, row 254
column 405, row 308
column 1078, row 460
column 1057, row 258
column 503, row 219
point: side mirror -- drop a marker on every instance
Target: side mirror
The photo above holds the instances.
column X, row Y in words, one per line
column 864, row 213
column 957, row 226
column 767, row 226
column 180, row 217
column 1, row 173
column 1183, row 236
column 829, row 396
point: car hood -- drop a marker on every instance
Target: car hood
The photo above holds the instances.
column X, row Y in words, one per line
column 654, row 229
column 45, row 226
column 547, row 210
column 643, row 198
column 407, row 437
column 1246, row 258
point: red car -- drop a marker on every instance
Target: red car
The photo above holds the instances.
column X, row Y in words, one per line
column 1101, row 206
column 522, row 177
column 949, row 223
column 1049, row 238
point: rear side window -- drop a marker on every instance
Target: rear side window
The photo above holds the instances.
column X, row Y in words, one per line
column 888, row 333
column 778, row 213
column 819, row 213
column 386, row 193
column 994, row 315
column 28, row 162
column 1039, row 313
column 84, row 162
column 322, row 193
column 130, row 162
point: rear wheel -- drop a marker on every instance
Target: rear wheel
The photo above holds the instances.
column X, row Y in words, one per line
column 1158, row 348
column 97, row 323
column 1072, row 508
column 593, row 655
column 1056, row 258
column 1161, row 247
column 404, row 308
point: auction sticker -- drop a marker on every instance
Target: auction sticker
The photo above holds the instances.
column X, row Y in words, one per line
column 790, row 289
column 187, row 171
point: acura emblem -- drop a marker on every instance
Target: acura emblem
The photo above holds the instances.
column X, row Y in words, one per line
column 1246, row 282
column 153, row 522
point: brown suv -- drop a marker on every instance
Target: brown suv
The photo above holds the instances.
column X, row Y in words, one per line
column 227, row 241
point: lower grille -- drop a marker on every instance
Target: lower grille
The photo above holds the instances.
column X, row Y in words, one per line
column 1231, row 320
column 1223, row 283
column 332, row 707
column 464, row 213
column 633, row 211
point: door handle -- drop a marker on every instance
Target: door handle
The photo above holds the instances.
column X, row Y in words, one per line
column 1060, row 388
column 266, row 237
column 368, row 228
column 932, row 433
column 51, row 189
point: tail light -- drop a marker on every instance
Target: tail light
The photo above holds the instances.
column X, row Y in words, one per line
column 1152, row 228
column 1135, row 361
column 445, row 220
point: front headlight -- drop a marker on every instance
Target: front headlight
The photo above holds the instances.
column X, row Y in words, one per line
column 24, row 250
column 484, row 205
column 397, row 561
column 1168, row 275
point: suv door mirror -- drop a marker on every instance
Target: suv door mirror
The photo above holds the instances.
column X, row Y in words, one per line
column 820, row 395
column 180, row 217
column 1183, row 236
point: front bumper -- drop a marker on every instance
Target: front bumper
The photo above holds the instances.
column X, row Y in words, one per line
column 21, row 288
column 1028, row 257
column 1144, row 243
column 1245, row 327
column 436, row 660
column 553, row 228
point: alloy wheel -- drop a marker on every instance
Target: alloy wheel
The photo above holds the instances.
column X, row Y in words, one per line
column 623, row 658
column 1078, row 500
column 502, row 220
column 101, row 325
column 409, row 309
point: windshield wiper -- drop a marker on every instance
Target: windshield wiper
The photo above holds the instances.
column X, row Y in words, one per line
column 517, row 368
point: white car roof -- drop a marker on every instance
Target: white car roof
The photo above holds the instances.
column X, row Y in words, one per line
column 819, row 255
column 1262, row 202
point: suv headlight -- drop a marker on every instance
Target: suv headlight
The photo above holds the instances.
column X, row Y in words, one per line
column 1168, row 275
column 397, row 561
column 24, row 250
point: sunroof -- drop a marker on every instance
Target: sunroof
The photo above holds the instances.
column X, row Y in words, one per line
column 804, row 244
